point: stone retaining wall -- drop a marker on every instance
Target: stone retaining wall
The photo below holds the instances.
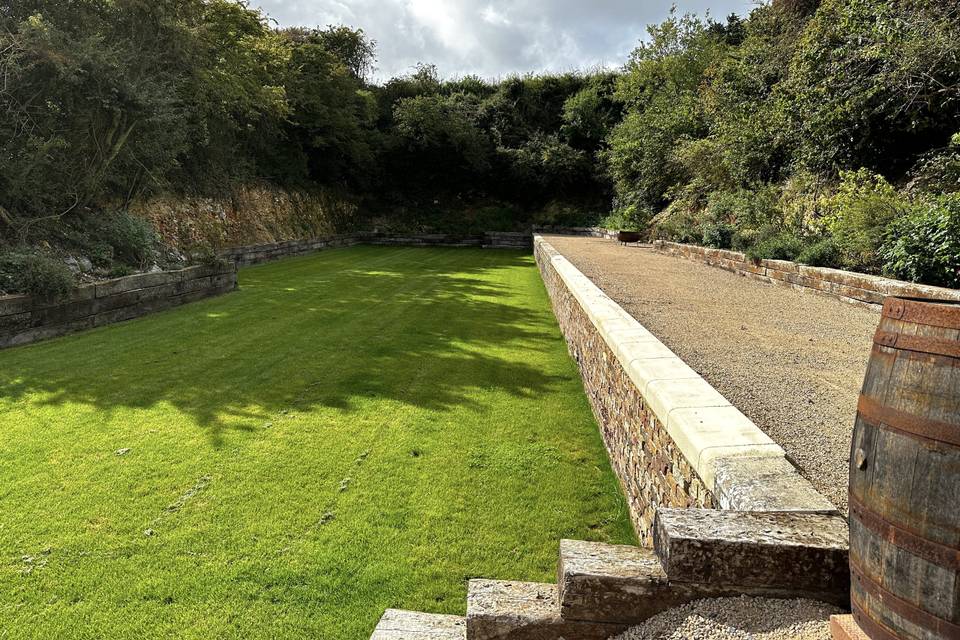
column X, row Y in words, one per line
column 26, row 319
column 592, row 232
column 856, row 288
column 255, row 254
column 673, row 440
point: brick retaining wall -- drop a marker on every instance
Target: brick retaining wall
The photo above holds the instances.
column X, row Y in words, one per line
column 673, row 440
column 26, row 319
column 856, row 288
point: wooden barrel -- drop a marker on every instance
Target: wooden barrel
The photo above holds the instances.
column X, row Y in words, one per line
column 905, row 477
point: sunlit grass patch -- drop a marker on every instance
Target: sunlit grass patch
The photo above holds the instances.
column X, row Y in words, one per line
column 351, row 431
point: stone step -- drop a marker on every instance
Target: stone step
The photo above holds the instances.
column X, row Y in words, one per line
column 617, row 583
column 413, row 625
column 509, row 610
column 767, row 554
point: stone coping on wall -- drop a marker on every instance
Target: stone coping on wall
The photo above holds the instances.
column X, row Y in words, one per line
column 738, row 463
column 856, row 288
column 26, row 319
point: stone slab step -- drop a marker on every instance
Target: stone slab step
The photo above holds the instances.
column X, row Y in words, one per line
column 618, row 583
column 772, row 554
column 397, row 624
column 508, row 610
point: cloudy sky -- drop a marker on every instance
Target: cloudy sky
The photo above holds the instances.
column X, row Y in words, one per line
column 493, row 38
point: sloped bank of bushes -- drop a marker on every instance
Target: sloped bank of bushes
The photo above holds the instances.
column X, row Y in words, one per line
column 819, row 131
column 823, row 132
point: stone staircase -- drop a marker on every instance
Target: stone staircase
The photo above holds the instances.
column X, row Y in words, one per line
column 603, row 589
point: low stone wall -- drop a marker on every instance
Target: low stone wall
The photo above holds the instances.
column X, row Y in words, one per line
column 673, row 440
column 507, row 240
column 488, row 240
column 592, row 232
column 26, row 319
column 255, row 254
column 857, row 288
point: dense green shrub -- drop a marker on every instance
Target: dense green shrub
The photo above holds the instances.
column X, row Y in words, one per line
column 677, row 224
column 28, row 271
column 938, row 171
column 718, row 235
column 783, row 246
column 821, row 253
column 858, row 215
column 873, row 82
column 924, row 244
column 129, row 239
column 590, row 114
column 547, row 161
column 661, row 92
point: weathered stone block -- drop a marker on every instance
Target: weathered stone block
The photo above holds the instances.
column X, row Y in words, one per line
column 62, row 313
column 613, row 583
column 15, row 322
column 765, row 484
column 502, row 610
column 413, row 625
column 130, row 283
column 759, row 553
column 116, row 301
column 10, row 305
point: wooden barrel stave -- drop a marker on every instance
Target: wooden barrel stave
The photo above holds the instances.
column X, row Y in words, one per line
column 905, row 478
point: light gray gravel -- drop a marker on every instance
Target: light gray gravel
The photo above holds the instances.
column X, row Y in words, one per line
column 740, row 618
column 792, row 361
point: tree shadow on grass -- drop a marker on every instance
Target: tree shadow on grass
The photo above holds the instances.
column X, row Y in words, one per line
column 425, row 327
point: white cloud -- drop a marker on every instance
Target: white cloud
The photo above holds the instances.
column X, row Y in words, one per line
column 494, row 38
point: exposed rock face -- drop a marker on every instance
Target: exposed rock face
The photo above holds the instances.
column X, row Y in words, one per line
column 253, row 214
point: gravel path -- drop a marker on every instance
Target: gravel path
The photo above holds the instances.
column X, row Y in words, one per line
column 792, row 361
column 741, row 618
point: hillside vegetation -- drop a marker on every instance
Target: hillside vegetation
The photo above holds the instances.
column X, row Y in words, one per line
column 824, row 132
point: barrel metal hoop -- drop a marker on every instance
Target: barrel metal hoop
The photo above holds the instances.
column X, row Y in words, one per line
column 934, row 624
column 934, row 552
column 925, row 312
column 880, row 415
column 873, row 629
column 920, row 344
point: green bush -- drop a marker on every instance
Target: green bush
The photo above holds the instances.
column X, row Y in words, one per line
column 743, row 239
column 783, row 246
column 823, row 253
column 718, row 235
column 938, row 171
column 858, row 216
column 124, row 238
column 678, row 224
column 924, row 245
column 25, row 271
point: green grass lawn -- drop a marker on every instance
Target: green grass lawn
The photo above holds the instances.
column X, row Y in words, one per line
column 355, row 430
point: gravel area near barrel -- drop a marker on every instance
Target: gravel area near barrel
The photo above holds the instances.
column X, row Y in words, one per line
column 792, row 361
column 741, row 618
